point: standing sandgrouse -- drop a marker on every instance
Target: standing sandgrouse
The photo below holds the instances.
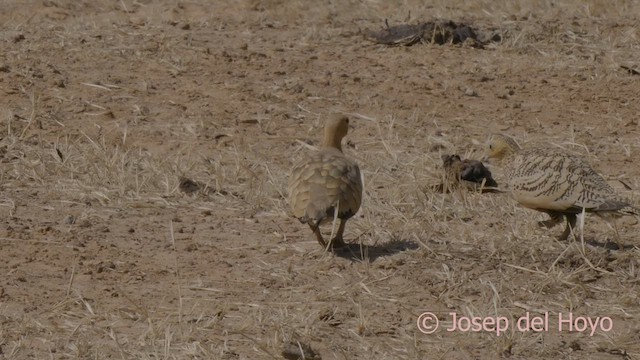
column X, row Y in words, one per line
column 325, row 181
column 557, row 183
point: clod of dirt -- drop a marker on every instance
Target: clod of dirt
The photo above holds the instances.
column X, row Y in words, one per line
column 435, row 32
column 469, row 174
column 188, row 186
column 575, row 345
column 470, row 92
column 475, row 171
column 295, row 350
column 103, row 266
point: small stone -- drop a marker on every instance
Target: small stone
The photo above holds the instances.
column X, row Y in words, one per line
column 69, row 219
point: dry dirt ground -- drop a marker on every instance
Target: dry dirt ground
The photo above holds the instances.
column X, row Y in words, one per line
column 106, row 105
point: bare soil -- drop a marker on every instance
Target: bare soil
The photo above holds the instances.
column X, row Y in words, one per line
column 106, row 107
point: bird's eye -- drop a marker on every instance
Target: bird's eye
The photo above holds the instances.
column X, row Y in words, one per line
column 490, row 147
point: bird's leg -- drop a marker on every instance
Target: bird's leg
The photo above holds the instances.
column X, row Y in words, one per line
column 316, row 230
column 337, row 241
column 618, row 239
column 556, row 218
column 571, row 225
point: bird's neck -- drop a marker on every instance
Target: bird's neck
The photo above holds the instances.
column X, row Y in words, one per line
column 332, row 142
column 508, row 157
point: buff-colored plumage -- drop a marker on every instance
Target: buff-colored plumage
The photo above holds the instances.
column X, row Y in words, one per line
column 555, row 182
column 324, row 181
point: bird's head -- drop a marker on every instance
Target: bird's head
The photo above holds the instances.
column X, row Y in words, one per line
column 499, row 146
column 335, row 129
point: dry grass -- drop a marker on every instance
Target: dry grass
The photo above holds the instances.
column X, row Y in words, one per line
column 108, row 105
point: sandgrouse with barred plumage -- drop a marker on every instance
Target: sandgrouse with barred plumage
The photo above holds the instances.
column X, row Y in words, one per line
column 325, row 181
column 557, row 183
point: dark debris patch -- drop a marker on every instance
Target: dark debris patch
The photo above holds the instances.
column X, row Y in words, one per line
column 433, row 32
column 465, row 173
column 295, row 350
column 189, row 186
column 630, row 70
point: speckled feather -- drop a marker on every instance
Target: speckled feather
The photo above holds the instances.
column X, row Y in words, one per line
column 548, row 179
column 322, row 181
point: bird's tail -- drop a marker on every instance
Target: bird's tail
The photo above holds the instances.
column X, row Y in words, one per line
column 630, row 210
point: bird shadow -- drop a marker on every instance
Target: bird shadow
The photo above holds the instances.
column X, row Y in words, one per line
column 361, row 252
column 607, row 244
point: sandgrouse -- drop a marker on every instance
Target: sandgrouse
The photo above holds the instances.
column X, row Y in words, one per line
column 327, row 181
column 555, row 182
